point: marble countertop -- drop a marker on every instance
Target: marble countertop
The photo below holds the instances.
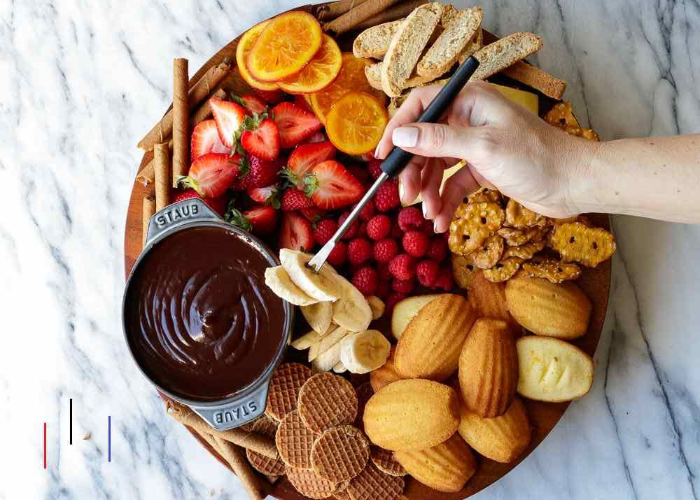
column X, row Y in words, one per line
column 80, row 82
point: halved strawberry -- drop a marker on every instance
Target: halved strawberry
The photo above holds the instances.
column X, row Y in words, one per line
column 256, row 172
column 317, row 137
column 294, row 199
column 331, row 186
column 301, row 101
column 313, row 214
column 295, row 124
column 296, row 232
column 205, row 139
column 258, row 220
column 260, row 137
column 218, row 204
column 268, row 195
column 228, row 117
column 212, row 174
column 252, row 103
column 270, row 96
column 305, row 157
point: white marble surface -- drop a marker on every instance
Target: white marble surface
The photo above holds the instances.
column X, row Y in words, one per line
column 80, row 82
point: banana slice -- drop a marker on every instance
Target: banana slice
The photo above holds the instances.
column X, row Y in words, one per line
column 364, row 351
column 352, row 310
column 377, row 306
column 339, row 368
column 277, row 279
column 322, row 286
column 318, row 315
column 327, row 342
column 306, row 340
column 326, row 361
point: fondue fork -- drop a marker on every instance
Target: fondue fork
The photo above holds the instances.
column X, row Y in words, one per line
column 398, row 158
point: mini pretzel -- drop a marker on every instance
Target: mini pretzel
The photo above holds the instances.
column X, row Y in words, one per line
column 485, row 195
column 519, row 217
column 526, row 251
column 516, row 237
column 576, row 242
column 562, row 117
column 552, row 270
column 487, row 256
column 504, row 270
column 472, row 225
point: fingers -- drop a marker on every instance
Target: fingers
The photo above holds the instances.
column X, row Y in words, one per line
column 431, row 179
column 456, row 188
column 410, row 180
column 434, row 140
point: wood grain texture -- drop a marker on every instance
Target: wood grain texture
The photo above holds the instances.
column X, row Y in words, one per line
column 543, row 416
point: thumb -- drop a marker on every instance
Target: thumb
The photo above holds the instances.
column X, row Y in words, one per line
column 432, row 140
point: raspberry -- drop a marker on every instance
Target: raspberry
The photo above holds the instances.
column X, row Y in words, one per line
column 362, row 229
column 403, row 286
column 385, row 250
column 444, row 279
column 375, row 169
column 384, row 274
column 391, row 301
column 383, row 289
column 415, row 243
column 359, row 251
column 367, row 212
column 403, row 267
column 352, row 230
column 365, row 280
column 387, row 196
column 337, row 256
column 410, row 218
column 437, row 249
column 379, row 227
column 324, row 231
column 396, row 231
column 358, row 172
column 427, row 272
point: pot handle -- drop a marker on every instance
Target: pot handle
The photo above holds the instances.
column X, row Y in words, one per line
column 178, row 214
column 235, row 413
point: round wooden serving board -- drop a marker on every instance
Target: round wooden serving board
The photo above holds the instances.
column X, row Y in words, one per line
column 543, row 416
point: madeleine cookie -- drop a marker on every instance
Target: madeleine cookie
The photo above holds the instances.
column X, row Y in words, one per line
column 340, row 453
column 489, row 300
column 386, row 374
column 327, row 400
column 488, row 368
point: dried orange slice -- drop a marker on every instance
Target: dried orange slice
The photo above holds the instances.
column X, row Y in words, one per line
column 243, row 49
column 285, row 46
column 319, row 73
column 356, row 122
column 351, row 77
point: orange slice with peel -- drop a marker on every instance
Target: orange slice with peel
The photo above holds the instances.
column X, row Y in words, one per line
column 351, row 77
column 356, row 122
column 319, row 73
column 285, row 46
column 243, row 49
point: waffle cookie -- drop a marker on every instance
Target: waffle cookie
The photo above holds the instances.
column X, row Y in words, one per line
column 294, row 441
column 340, row 453
column 372, row 484
column 310, row 484
column 327, row 400
column 385, row 462
column 269, row 466
column 284, row 389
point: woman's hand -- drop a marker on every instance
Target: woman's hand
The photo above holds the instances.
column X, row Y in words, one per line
column 506, row 147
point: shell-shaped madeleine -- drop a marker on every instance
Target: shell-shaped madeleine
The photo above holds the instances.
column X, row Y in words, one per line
column 445, row 467
column 503, row 438
column 489, row 300
column 488, row 368
column 411, row 415
column 386, row 374
column 555, row 310
column 429, row 347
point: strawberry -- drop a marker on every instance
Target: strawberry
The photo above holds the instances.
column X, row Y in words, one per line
column 415, row 243
column 366, row 280
column 437, row 250
column 338, row 255
column 253, row 104
column 205, row 139
column 300, row 100
column 295, row 124
column 359, row 172
column 269, row 96
column 313, row 214
column 228, row 117
column 330, row 186
column 295, row 232
column 403, row 286
column 324, row 230
column 294, row 199
column 387, row 196
column 379, row 227
column 444, row 279
column 352, row 230
column 268, row 195
column 427, row 272
column 260, row 137
column 218, row 204
column 256, row 172
column 317, row 137
column 258, row 220
column 375, row 169
column 385, row 250
column 403, row 266
column 305, row 157
column 212, row 174
column 359, row 251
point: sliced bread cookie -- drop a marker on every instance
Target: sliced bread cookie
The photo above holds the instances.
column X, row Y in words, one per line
column 407, row 46
column 458, row 34
column 476, row 44
column 537, row 79
column 373, row 73
column 374, row 41
column 505, row 52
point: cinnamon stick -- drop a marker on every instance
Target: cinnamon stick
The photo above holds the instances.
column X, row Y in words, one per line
column 161, row 159
column 236, row 458
column 356, row 15
column 181, row 128
column 393, row 13
column 334, row 9
column 147, row 174
column 147, row 211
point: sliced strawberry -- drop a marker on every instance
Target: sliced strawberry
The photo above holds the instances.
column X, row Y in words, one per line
column 212, row 174
column 270, row 96
column 305, row 157
column 295, row 124
column 258, row 220
column 317, row 137
column 313, row 214
column 261, row 138
column 228, row 117
column 268, row 195
column 294, row 199
column 252, row 103
column 256, row 172
column 205, row 139
column 217, row 204
column 300, row 101
column 331, row 186
column 296, row 232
